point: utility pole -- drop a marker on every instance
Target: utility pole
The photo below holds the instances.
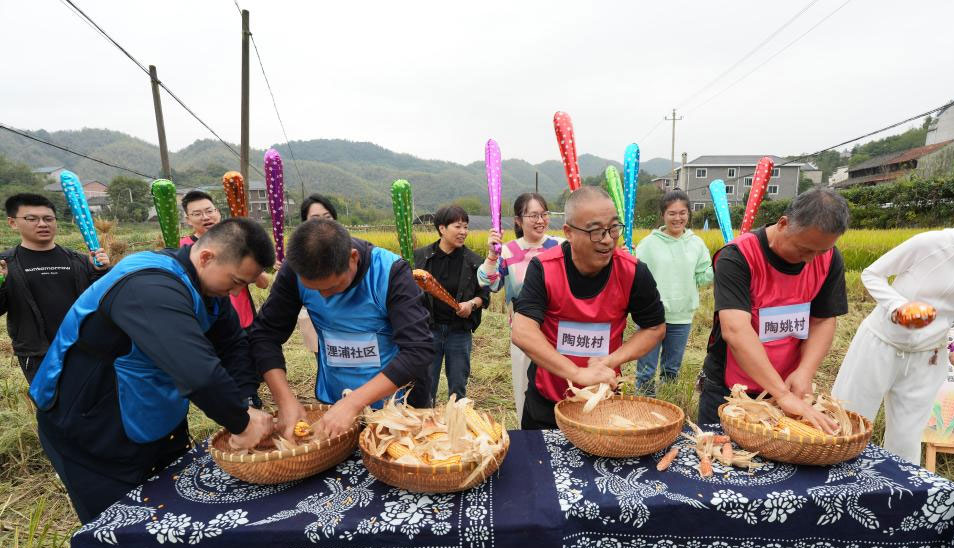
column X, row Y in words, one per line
column 536, row 182
column 672, row 154
column 163, row 149
column 244, row 147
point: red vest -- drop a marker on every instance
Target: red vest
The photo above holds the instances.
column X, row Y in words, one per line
column 582, row 328
column 781, row 306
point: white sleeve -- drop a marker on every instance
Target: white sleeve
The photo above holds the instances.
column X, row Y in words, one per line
column 893, row 263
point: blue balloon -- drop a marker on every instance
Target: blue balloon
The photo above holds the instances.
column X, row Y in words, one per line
column 721, row 204
column 76, row 198
column 630, row 176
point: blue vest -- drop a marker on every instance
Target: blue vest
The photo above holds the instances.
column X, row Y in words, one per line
column 149, row 402
column 354, row 333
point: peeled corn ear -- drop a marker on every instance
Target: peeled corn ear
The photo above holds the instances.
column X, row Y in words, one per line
column 479, row 425
column 797, row 427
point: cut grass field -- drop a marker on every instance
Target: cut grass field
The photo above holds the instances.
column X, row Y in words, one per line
column 34, row 509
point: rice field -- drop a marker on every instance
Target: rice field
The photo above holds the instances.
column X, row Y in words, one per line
column 34, row 509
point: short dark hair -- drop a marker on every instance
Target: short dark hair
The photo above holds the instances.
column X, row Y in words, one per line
column 317, row 199
column 671, row 197
column 520, row 207
column 448, row 215
column 821, row 208
column 27, row 199
column 195, row 196
column 319, row 248
column 237, row 238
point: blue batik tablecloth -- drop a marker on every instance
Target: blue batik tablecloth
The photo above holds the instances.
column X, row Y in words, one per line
column 547, row 493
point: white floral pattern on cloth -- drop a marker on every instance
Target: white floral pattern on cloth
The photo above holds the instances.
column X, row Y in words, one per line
column 775, row 507
column 597, row 540
column 180, row 528
column 630, row 491
column 687, row 464
column 204, row 481
column 847, row 482
column 116, row 516
column 937, row 513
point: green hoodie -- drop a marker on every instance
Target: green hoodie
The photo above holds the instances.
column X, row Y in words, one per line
column 680, row 266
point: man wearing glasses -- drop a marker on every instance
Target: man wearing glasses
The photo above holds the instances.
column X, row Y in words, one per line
column 40, row 280
column 201, row 215
column 569, row 318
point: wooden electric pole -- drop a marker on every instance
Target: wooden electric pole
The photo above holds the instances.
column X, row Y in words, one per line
column 536, row 182
column 160, row 125
column 244, row 146
column 672, row 154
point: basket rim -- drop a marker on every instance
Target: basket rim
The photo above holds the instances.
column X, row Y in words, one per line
column 823, row 439
column 276, row 455
column 616, row 430
column 427, row 468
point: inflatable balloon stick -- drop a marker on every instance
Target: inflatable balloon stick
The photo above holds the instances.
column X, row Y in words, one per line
column 630, row 177
column 73, row 191
column 432, row 287
column 167, row 210
column 721, row 204
column 759, row 183
column 567, row 143
column 275, row 188
column 234, row 186
column 614, row 187
column 492, row 162
column 401, row 200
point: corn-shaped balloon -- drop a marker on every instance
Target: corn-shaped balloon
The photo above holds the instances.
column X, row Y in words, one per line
column 760, row 180
column 73, row 191
column 721, row 204
column 164, row 197
column 234, row 186
column 630, row 178
column 275, row 188
column 614, row 187
column 401, row 200
column 432, row 287
column 492, row 163
column 563, row 127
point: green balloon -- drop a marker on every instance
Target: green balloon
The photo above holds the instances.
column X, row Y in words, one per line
column 614, row 187
column 164, row 197
column 401, row 201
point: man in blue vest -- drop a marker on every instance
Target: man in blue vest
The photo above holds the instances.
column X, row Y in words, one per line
column 370, row 317
column 135, row 348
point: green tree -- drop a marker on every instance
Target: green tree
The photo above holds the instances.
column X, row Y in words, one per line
column 129, row 199
column 15, row 173
column 472, row 205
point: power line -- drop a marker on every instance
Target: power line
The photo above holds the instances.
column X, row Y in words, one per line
column 142, row 67
column 749, row 54
column 65, row 149
column 776, row 54
column 843, row 143
column 261, row 65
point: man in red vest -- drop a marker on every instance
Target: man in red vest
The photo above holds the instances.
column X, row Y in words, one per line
column 778, row 291
column 570, row 316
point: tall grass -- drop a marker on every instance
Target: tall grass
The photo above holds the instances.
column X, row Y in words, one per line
column 34, row 509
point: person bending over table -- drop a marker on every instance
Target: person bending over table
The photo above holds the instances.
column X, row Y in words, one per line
column 152, row 335
column 571, row 313
column 372, row 326
column 778, row 291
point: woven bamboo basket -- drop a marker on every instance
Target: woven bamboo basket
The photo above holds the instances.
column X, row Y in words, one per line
column 427, row 478
column 588, row 431
column 291, row 464
column 820, row 450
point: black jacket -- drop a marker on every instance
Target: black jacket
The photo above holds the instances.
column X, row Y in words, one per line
column 24, row 321
column 467, row 287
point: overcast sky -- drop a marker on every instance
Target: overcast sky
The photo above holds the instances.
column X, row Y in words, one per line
column 437, row 79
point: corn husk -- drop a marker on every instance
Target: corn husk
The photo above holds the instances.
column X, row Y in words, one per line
column 711, row 447
column 763, row 411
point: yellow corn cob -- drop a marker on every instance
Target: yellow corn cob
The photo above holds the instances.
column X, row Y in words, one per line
column 797, row 427
column 455, row 459
column 498, row 431
column 397, row 450
column 436, row 436
column 478, row 424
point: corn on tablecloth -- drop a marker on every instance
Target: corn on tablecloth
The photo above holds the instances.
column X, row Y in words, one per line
column 547, row 493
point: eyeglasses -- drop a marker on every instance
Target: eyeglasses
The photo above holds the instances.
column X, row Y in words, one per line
column 537, row 216
column 203, row 213
column 33, row 219
column 597, row 234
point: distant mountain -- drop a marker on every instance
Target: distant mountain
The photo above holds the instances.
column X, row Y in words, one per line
column 353, row 170
column 657, row 166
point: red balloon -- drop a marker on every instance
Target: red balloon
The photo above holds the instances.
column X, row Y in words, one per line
column 563, row 127
column 760, row 180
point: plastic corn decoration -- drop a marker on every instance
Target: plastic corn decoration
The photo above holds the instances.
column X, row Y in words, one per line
column 164, row 198
column 760, row 180
column 76, row 198
column 275, row 188
column 720, row 202
column 432, row 287
column 401, row 201
column 614, row 187
column 563, row 127
column 916, row 315
column 234, row 186
column 630, row 178
column 492, row 163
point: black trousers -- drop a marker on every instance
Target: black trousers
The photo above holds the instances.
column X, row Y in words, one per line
column 712, row 396
column 537, row 410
